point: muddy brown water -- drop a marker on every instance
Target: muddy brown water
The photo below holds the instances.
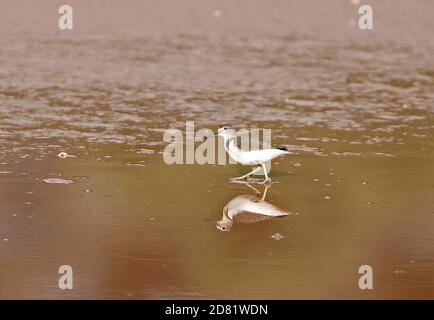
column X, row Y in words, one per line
column 355, row 107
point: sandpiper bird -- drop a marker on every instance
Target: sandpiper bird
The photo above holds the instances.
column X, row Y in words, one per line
column 249, row 209
column 257, row 154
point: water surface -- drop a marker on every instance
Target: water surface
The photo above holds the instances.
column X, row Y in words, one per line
column 355, row 107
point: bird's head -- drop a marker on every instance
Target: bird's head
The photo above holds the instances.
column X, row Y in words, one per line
column 226, row 132
column 224, row 224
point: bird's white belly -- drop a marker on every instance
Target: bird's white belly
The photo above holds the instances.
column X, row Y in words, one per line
column 253, row 157
column 243, row 204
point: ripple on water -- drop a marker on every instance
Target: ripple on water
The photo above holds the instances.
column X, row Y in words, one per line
column 58, row 181
column 277, row 236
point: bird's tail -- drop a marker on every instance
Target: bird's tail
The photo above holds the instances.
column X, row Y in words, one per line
column 283, row 148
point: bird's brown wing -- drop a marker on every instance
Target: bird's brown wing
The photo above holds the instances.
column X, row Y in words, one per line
column 250, row 217
column 246, row 143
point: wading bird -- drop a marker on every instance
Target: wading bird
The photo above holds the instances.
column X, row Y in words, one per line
column 256, row 154
column 249, row 209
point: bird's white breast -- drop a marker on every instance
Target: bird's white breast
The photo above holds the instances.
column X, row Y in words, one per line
column 250, row 204
column 253, row 157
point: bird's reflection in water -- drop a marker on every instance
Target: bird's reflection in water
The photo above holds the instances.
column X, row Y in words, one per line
column 249, row 209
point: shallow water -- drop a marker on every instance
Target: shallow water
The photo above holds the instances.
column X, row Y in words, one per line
column 356, row 108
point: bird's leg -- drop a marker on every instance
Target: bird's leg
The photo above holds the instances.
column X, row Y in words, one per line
column 267, row 178
column 248, row 174
column 253, row 188
column 266, row 186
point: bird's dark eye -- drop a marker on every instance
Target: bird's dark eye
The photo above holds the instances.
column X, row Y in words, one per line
column 225, row 128
column 223, row 228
